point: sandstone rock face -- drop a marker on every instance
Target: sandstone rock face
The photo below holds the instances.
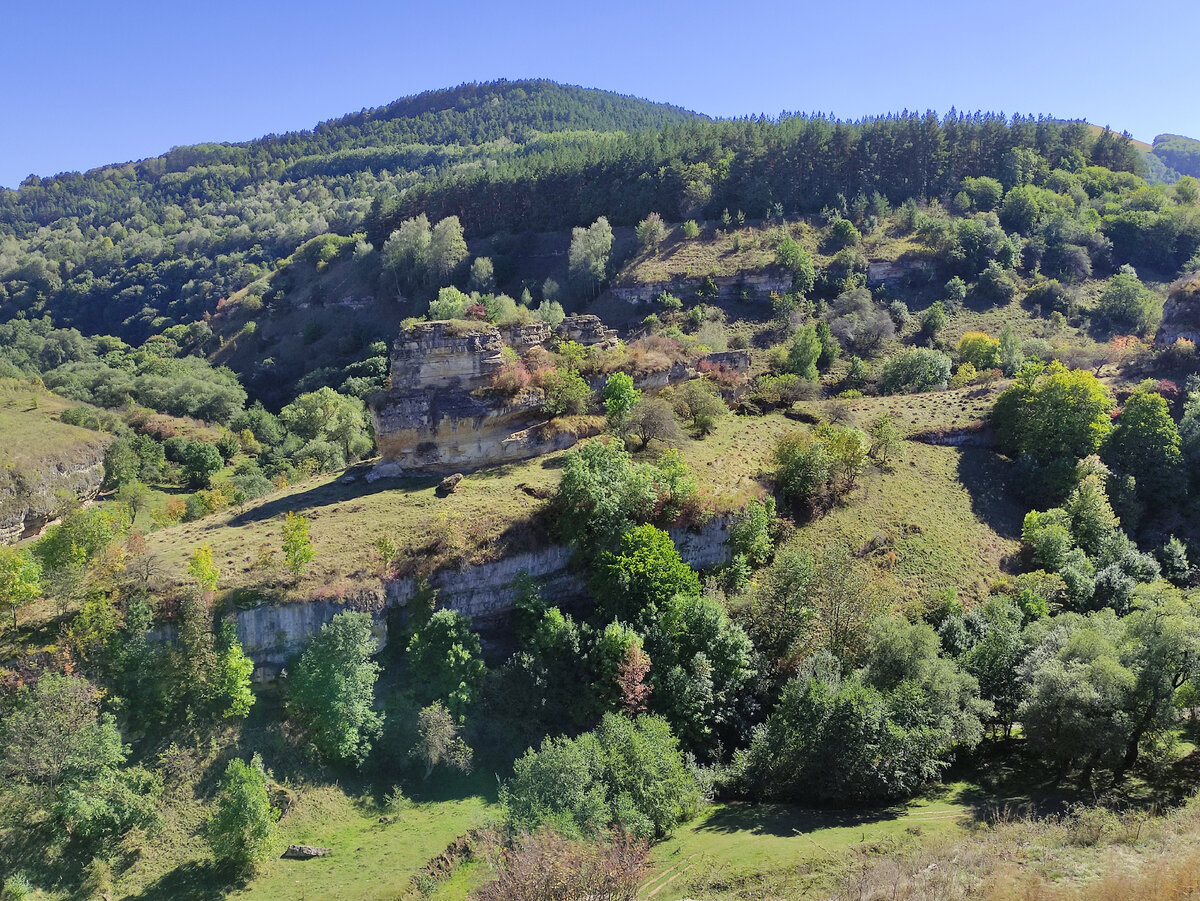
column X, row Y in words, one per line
column 587, row 330
column 439, row 417
column 729, row 287
column 487, row 591
column 1181, row 313
column 270, row 634
column 29, row 499
column 894, row 272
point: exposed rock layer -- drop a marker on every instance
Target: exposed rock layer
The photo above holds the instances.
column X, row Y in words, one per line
column 30, row 498
column 271, row 633
column 1181, row 313
column 439, row 415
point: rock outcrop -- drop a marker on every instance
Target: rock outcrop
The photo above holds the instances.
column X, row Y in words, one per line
column 31, row 494
column 270, row 634
column 746, row 286
column 439, row 416
column 1181, row 313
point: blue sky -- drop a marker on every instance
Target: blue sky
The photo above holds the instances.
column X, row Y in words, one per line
column 85, row 83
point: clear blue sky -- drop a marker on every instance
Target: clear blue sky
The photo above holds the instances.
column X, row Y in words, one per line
column 87, row 83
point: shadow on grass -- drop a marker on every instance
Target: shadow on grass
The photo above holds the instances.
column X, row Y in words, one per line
column 192, row 881
column 326, row 495
column 788, row 819
column 986, row 476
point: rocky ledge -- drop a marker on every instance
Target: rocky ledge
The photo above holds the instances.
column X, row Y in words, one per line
column 438, row 415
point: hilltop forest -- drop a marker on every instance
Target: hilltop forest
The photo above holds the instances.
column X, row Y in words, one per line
column 798, row 508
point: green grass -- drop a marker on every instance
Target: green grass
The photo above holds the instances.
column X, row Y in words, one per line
column 734, row 846
column 370, row 860
column 33, row 437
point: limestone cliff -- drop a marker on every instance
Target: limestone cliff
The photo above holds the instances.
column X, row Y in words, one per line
column 32, row 491
column 438, row 415
column 1181, row 313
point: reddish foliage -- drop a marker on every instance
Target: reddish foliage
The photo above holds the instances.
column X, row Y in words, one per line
column 631, row 680
column 511, row 379
column 477, row 312
column 547, row 867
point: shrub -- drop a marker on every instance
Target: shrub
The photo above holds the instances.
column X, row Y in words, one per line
column 567, row 393
column 627, row 773
column 241, row 828
column 331, row 689
column 546, row 865
column 653, row 419
column 802, row 466
column 916, row 370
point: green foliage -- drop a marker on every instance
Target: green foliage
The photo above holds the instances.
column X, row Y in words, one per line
column 1053, row 412
column 979, row 349
column 915, row 370
column 651, row 231
column 699, row 402
column 438, row 741
column 331, row 689
column 750, row 534
column 450, row 303
column 241, row 828
column 567, row 393
column 1127, row 303
column 202, row 569
column 587, row 258
column 201, row 461
column 81, row 537
column 297, row 548
column 790, row 254
column 985, row 192
column 690, row 229
column 67, row 756
column 20, row 578
column 1010, row 357
column 445, row 656
column 627, row 773
column 603, row 493
column 642, row 575
column 802, row 467
column 652, row 418
column 619, row 398
column 804, row 353
column 933, row 320
column 1145, row 444
column 700, row 664
column 885, row 439
column 882, row 732
column 325, row 418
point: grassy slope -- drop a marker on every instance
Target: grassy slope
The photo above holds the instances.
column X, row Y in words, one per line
column 942, row 507
column 32, row 434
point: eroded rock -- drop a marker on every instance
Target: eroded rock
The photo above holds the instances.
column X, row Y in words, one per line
column 305, row 852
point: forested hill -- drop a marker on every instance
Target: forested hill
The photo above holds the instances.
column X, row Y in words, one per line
column 150, row 250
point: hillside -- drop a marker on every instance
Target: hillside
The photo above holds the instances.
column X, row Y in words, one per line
column 519, row 483
column 45, row 465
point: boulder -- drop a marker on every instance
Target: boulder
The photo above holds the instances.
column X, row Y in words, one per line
column 305, row 852
column 449, row 484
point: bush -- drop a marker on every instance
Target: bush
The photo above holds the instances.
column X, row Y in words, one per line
column 627, row 773
column 545, row 865
column 241, row 828
column 750, row 534
column 802, row 466
column 882, row 732
column 331, row 689
column 567, row 393
column 446, row 657
column 916, row 370
column 603, row 493
column 653, row 419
